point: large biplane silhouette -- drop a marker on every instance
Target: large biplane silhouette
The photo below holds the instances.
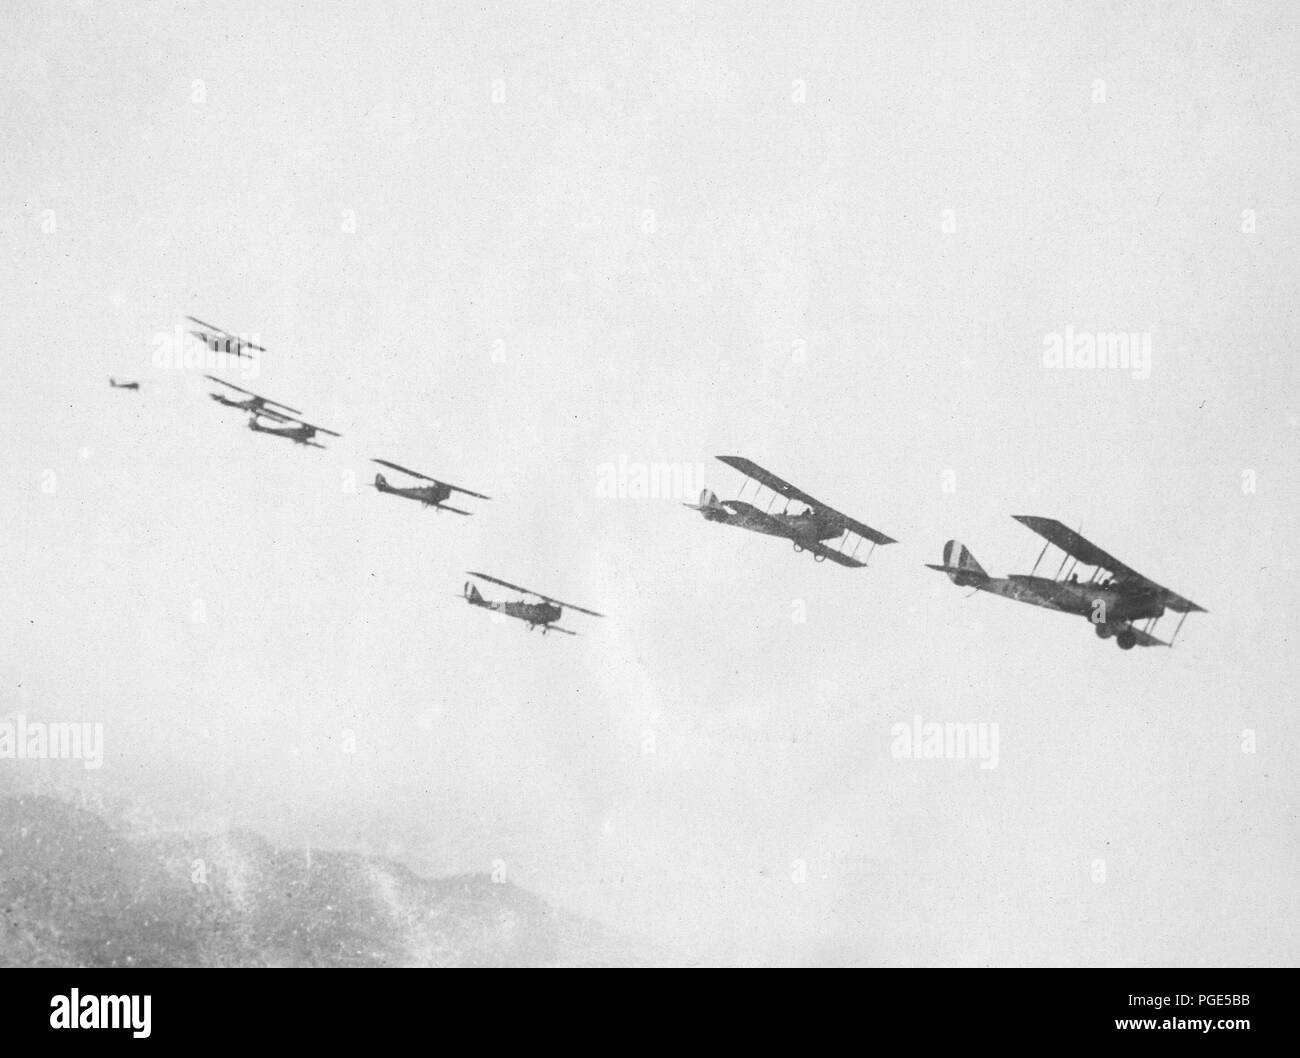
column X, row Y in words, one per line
column 252, row 402
column 222, row 341
column 1118, row 600
column 809, row 529
column 434, row 495
column 542, row 614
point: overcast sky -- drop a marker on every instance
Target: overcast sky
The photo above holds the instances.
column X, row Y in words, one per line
column 508, row 245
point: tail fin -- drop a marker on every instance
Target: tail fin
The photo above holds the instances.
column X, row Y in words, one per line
column 960, row 565
column 381, row 482
column 472, row 592
column 957, row 554
column 708, row 501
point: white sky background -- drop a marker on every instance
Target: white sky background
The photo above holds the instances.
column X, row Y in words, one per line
column 521, row 222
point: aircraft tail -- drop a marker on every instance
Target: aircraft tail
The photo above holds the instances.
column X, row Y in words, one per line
column 381, row 482
column 472, row 593
column 960, row 565
column 957, row 554
column 708, row 502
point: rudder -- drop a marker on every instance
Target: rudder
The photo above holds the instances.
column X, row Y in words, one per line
column 957, row 556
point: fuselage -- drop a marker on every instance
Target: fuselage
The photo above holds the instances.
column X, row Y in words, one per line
column 298, row 434
column 806, row 527
column 1101, row 604
column 533, row 613
column 252, row 404
column 429, row 495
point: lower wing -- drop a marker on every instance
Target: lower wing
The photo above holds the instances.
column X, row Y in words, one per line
column 839, row 557
column 1146, row 639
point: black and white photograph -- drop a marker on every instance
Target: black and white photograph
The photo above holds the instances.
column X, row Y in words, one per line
column 581, row 484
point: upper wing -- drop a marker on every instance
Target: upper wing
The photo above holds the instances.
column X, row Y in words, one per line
column 457, row 488
column 1085, row 551
column 275, row 416
column 269, row 413
column 250, row 393
column 223, row 382
column 778, row 485
column 498, row 580
column 529, row 591
column 404, row 470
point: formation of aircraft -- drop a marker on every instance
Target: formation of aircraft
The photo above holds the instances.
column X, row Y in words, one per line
column 259, row 407
column 432, row 495
column 542, row 614
column 1118, row 600
column 807, row 529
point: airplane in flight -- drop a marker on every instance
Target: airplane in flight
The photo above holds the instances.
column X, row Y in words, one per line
column 299, row 433
column 431, row 495
column 123, row 385
column 222, row 341
column 253, row 402
column 541, row 614
column 1118, row 600
column 808, row 529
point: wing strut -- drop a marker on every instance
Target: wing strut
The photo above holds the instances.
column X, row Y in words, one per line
column 1066, row 556
column 1174, row 637
column 1040, row 557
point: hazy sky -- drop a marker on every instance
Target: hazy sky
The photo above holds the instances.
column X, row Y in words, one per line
column 508, row 244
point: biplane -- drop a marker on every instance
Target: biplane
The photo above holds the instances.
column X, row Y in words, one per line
column 541, row 614
column 222, row 341
column 1118, row 600
column 432, row 495
column 809, row 529
column 253, row 402
column 122, row 385
column 299, row 433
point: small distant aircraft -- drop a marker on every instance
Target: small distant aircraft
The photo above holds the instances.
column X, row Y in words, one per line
column 807, row 529
column 122, row 385
column 299, row 433
column 1114, row 597
column 254, row 402
column 221, row 341
column 543, row 614
column 431, row 495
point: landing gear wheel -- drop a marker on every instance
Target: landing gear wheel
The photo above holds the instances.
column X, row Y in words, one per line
column 1104, row 631
column 1126, row 640
column 797, row 547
